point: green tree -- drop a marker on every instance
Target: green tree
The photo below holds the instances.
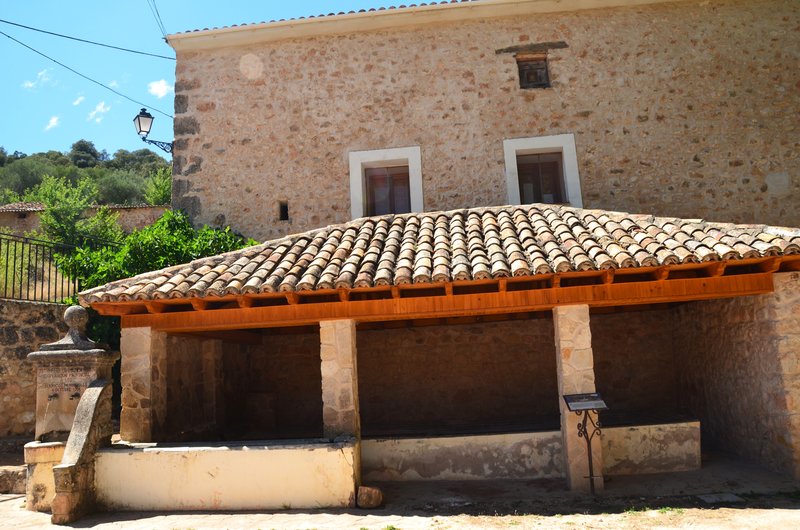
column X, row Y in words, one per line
column 3, row 156
column 143, row 161
column 120, row 187
column 24, row 173
column 84, row 154
column 158, row 187
column 64, row 219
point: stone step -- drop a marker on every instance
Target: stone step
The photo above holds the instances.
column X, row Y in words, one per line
column 12, row 479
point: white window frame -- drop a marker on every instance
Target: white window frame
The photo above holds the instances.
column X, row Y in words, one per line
column 398, row 156
column 559, row 143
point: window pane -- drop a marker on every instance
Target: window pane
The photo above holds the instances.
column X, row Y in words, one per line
column 378, row 192
column 387, row 190
column 402, row 194
column 540, row 178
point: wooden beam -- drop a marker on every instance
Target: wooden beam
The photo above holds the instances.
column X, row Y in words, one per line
column 198, row 304
column 239, row 337
column 661, row 273
column 154, row 307
column 715, row 268
column 630, row 293
column 771, row 265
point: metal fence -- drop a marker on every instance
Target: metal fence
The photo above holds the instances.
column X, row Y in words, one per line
column 28, row 270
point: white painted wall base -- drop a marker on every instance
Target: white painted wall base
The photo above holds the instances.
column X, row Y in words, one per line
column 245, row 477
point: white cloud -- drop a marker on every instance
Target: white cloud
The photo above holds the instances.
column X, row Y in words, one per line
column 113, row 84
column 97, row 113
column 43, row 77
column 78, row 101
column 159, row 88
column 53, row 123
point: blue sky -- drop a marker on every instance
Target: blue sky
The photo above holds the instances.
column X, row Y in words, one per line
column 48, row 107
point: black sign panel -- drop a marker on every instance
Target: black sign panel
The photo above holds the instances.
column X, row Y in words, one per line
column 578, row 402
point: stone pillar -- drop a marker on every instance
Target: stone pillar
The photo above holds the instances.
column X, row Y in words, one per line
column 144, row 386
column 64, row 371
column 575, row 366
column 340, row 416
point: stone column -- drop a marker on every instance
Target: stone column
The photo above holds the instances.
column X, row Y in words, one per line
column 64, row 371
column 340, row 416
column 575, row 366
column 144, row 384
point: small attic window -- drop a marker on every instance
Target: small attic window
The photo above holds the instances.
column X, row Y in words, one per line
column 533, row 70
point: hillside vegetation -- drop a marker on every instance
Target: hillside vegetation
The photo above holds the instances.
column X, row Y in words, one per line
column 127, row 177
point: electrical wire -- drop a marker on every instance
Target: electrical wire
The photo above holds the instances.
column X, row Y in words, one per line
column 86, row 41
column 86, row 77
column 160, row 22
column 154, row 10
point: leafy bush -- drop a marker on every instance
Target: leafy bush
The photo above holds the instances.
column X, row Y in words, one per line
column 169, row 241
column 158, row 187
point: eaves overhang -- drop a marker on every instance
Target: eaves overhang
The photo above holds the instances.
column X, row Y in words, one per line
column 376, row 20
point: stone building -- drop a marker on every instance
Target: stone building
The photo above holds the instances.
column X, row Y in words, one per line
column 650, row 107
column 448, row 176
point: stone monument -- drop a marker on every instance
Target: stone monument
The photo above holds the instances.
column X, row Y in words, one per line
column 64, row 370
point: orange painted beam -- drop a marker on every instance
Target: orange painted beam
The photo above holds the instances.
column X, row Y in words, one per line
column 446, row 306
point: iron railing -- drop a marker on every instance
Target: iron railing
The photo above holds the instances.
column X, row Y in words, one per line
column 28, row 270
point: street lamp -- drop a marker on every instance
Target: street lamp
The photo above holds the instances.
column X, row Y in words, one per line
column 143, row 122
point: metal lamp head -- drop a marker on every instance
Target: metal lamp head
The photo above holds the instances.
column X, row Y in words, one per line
column 143, row 122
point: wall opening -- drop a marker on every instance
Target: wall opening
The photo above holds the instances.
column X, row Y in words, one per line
column 497, row 377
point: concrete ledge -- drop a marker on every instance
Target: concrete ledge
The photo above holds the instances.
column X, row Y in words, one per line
column 493, row 456
column 651, row 448
column 263, row 475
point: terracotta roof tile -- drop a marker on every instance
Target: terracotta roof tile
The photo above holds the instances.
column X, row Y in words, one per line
column 22, row 207
column 474, row 244
column 337, row 14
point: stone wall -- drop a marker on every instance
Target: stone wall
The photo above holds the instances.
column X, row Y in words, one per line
column 739, row 371
column 458, row 379
column 24, row 326
column 634, row 363
column 130, row 218
column 273, row 389
column 19, row 222
column 672, row 114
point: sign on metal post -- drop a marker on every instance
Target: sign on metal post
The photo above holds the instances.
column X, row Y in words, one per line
column 582, row 405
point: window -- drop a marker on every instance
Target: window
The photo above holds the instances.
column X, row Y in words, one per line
column 540, row 178
column 283, row 210
column 533, row 71
column 387, row 190
column 385, row 181
column 542, row 169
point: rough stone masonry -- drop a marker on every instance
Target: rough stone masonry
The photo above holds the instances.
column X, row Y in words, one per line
column 685, row 109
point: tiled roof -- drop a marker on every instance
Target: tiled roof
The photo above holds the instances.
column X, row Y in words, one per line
column 339, row 14
column 22, row 207
column 474, row 244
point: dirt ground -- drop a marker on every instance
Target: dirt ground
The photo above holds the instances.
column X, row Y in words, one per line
column 778, row 511
column 752, row 498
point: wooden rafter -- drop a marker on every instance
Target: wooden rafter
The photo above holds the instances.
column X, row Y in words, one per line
column 496, row 302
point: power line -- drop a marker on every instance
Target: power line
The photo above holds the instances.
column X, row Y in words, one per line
column 86, row 41
column 160, row 22
column 154, row 10
column 85, row 76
